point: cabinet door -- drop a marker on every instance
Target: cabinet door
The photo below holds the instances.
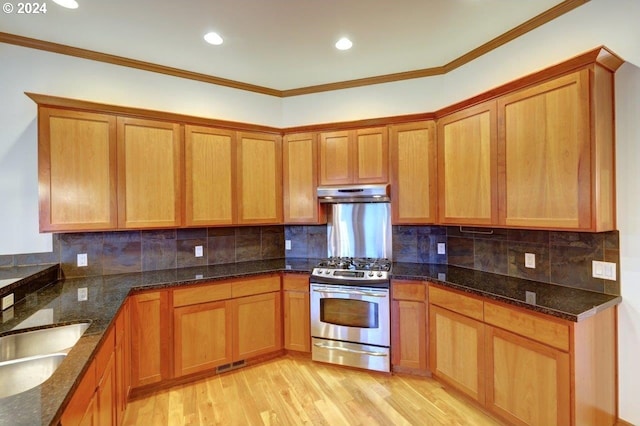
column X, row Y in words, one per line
column 457, row 351
column 336, row 158
column 467, row 166
column 409, row 343
column 76, row 170
column 202, row 337
column 372, row 155
column 149, row 173
column 257, row 325
column 210, row 159
column 297, row 327
column 122, row 362
column 413, row 173
column 149, row 338
column 545, row 145
column 300, row 179
column 259, row 178
column 82, row 405
column 105, row 396
column 527, row 382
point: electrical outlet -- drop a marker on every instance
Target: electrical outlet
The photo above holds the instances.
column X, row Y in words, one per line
column 83, row 294
column 530, row 297
column 287, row 244
column 199, row 251
column 604, row 270
column 530, row 260
column 442, row 248
column 82, row 259
column 7, row 301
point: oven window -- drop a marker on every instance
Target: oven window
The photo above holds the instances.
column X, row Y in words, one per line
column 349, row 312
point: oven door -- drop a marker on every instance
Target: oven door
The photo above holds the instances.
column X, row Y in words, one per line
column 350, row 314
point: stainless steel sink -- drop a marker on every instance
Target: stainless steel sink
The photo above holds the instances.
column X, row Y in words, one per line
column 23, row 374
column 40, row 342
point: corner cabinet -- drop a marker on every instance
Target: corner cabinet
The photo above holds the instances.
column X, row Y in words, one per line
column 556, row 145
column 76, row 170
column 259, row 178
column 413, row 172
column 467, row 166
column 354, row 156
column 300, row 179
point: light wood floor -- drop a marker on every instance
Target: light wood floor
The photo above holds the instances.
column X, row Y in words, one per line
column 293, row 390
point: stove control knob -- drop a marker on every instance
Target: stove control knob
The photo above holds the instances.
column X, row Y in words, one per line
column 371, row 273
column 320, row 271
column 379, row 273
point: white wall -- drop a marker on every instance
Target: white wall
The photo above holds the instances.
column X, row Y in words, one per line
column 612, row 23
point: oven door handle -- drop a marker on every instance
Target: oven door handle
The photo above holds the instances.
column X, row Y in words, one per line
column 354, row 292
column 354, row 351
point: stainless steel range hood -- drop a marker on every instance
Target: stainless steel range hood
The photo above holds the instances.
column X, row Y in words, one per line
column 378, row 193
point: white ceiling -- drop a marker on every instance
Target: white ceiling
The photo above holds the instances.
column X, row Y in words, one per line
column 280, row 44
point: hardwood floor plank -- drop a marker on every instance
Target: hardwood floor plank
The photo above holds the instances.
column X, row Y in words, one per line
column 293, row 390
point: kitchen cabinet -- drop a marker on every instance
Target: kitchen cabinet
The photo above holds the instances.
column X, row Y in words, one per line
column 528, row 368
column 122, row 362
column 409, row 327
column 82, row 405
column 202, row 328
column 297, row 327
column 150, row 336
column 149, row 173
column 300, row 179
column 76, row 170
column 413, row 172
column 259, row 178
column 354, row 156
column 210, row 176
column 467, row 166
column 556, row 147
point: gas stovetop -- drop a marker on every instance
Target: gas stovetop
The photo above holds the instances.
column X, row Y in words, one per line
column 358, row 269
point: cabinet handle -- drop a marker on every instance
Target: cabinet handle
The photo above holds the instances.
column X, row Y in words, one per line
column 354, row 292
column 354, row 351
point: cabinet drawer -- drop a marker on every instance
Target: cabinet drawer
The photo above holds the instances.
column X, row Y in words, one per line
column 409, row 290
column 295, row 282
column 201, row 294
column 456, row 302
column 256, row 285
column 545, row 331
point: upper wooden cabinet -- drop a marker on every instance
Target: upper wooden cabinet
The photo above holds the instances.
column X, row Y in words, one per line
column 354, row 156
column 413, row 172
column 259, row 178
column 300, row 179
column 467, row 166
column 210, row 181
column 149, row 173
column 557, row 153
column 76, row 170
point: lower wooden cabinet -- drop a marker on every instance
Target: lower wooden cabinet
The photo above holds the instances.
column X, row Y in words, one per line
column 256, row 325
column 409, row 326
column 122, row 362
column 297, row 320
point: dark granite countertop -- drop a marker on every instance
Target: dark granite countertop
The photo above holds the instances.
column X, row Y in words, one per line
column 58, row 304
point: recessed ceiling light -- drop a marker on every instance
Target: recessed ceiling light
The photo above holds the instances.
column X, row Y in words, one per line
column 69, row 4
column 213, row 38
column 344, row 44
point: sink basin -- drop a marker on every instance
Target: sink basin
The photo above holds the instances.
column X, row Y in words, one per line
column 40, row 342
column 23, row 374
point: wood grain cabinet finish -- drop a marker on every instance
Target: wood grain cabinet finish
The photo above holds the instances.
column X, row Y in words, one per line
column 412, row 149
column 409, row 349
column 354, row 156
column 556, row 142
column 149, row 174
column 150, row 351
column 210, row 176
column 259, row 178
column 297, row 320
column 257, row 325
column 300, row 179
column 76, row 170
column 122, row 361
column 467, row 166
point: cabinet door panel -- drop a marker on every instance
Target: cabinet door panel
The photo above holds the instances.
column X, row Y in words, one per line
column 300, row 172
column 336, row 157
column 372, row 153
column 210, row 158
column 297, row 328
column 467, row 166
column 413, row 173
column 546, row 149
column 528, row 383
column 76, row 170
column 410, row 335
column 259, row 178
column 149, row 173
column 257, row 326
column 202, row 337
column 457, row 351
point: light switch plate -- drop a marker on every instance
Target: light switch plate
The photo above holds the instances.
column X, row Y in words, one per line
column 604, row 270
column 442, row 248
column 7, row 301
column 530, row 260
column 530, row 297
column 198, row 251
column 82, row 259
column 287, row 244
column 83, row 294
